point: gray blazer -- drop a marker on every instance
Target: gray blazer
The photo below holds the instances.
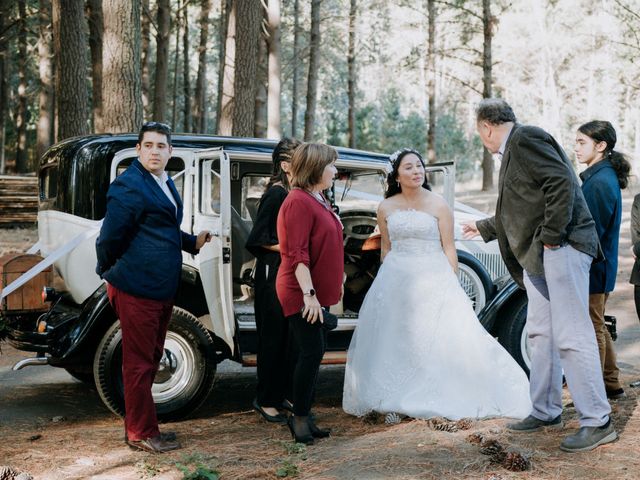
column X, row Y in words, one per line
column 635, row 239
column 539, row 202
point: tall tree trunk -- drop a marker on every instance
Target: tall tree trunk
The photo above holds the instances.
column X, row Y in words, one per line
column 223, row 32
column 162, row 61
column 200, row 105
column 487, row 23
column 45, row 68
column 351, row 79
column 227, row 95
column 273, row 97
column 186, row 81
column 431, row 81
column 121, row 89
column 296, row 62
column 249, row 16
column 21, row 112
column 176, row 65
column 96, row 31
column 312, row 79
column 145, row 21
column 262, row 75
column 4, row 19
column 70, row 46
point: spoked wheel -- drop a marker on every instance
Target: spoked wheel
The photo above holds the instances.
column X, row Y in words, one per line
column 475, row 280
column 185, row 376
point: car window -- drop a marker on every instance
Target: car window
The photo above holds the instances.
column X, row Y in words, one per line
column 253, row 187
column 358, row 190
column 175, row 169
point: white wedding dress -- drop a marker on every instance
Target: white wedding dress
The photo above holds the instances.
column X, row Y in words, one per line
column 419, row 349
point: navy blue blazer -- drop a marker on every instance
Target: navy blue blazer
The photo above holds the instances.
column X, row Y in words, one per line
column 140, row 243
column 602, row 192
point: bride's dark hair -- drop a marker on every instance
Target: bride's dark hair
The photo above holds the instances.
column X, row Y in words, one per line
column 393, row 187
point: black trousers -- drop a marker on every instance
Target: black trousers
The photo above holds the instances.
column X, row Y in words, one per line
column 275, row 365
column 636, row 299
column 310, row 343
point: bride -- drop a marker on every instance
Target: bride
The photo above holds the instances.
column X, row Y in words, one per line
column 419, row 349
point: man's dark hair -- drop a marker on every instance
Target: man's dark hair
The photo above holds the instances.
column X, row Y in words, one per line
column 158, row 127
column 495, row 111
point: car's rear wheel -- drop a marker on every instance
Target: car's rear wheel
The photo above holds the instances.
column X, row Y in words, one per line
column 187, row 369
column 512, row 332
column 475, row 280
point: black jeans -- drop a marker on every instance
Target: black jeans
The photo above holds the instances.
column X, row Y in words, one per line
column 275, row 365
column 310, row 343
column 636, row 298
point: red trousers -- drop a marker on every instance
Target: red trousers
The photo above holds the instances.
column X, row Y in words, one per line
column 144, row 325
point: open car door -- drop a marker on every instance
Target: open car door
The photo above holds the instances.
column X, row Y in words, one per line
column 212, row 212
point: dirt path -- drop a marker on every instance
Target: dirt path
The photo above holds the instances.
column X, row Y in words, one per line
column 55, row 427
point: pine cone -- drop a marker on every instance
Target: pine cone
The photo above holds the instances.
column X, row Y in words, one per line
column 516, row 462
column 490, row 447
column 372, row 418
column 442, row 424
column 7, row 473
column 498, row 457
column 475, row 438
column 464, row 424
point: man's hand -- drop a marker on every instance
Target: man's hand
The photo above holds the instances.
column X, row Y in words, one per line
column 470, row 230
column 203, row 237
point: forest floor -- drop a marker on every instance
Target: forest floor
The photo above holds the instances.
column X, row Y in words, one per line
column 55, row 427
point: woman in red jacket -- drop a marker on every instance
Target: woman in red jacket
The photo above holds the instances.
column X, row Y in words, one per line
column 310, row 275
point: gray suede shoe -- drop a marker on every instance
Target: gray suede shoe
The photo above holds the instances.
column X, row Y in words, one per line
column 589, row 438
column 533, row 424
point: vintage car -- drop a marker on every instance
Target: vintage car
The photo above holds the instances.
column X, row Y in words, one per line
column 221, row 181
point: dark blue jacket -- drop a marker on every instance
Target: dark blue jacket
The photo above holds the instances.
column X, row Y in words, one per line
column 602, row 191
column 140, row 243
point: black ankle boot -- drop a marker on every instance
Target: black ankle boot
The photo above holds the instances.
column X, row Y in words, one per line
column 316, row 431
column 300, row 431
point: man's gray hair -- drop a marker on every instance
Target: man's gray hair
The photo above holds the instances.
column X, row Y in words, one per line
column 495, row 111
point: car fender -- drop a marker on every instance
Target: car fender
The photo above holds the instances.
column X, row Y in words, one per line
column 508, row 291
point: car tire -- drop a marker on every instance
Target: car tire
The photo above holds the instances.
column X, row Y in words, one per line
column 181, row 386
column 512, row 332
column 475, row 280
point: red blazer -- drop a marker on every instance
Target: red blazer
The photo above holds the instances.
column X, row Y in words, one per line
column 309, row 233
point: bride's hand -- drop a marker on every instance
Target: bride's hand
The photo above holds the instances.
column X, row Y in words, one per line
column 312, row 310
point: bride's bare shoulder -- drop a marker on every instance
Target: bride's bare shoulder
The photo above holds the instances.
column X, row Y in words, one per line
column 386, row 207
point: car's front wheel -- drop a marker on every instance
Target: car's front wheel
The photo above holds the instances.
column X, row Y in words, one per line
column 184, row 379
column 475, row 280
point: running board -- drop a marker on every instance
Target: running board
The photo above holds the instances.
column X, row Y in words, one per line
column 330, row 358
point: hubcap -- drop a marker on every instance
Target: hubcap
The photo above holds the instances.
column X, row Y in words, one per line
column 177, row 369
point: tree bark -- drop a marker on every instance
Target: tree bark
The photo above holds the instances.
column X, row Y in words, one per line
column 70, row 46
column 227, row 95
column 45, row 68
column 146, row 43
column 487, row 23
column 226, row 7
column 121, row 89
column 431, row 81
column 176, row 65
column 186, row 81
column 162, row 61
column 96, row 31
column 4, row 19
column 249, row 16
column 312, row 79
column 296, row 54
column 351, row 79
column 261, row 79
column 200, row 105
column 21, row 112
column 273, row 97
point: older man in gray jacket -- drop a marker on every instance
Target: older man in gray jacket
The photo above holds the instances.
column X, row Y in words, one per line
column 548, row 241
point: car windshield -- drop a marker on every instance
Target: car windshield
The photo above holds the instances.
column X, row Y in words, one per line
column 359, row 190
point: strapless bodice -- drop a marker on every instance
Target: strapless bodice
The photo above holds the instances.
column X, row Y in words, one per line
column 413, row 232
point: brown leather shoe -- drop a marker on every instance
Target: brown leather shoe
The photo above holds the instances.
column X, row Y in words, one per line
column 166, row 436
column 154, row 444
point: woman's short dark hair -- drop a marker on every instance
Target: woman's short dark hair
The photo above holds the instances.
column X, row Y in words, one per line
column 603, row 131
column 282, row 153
column 157, row 127
column 495, row 111
column 393, row 187
column 308, row 163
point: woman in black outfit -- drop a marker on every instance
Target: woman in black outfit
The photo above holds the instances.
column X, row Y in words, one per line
column 274, row 365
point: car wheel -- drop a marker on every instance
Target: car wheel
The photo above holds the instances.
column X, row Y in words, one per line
column 81, row 375
column 475, row 280
column 187, row 369
column 512, row 333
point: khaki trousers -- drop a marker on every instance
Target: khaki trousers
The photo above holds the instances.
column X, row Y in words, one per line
column 610, row 370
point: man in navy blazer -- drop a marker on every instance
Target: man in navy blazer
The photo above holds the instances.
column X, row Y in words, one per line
column 140, row 256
